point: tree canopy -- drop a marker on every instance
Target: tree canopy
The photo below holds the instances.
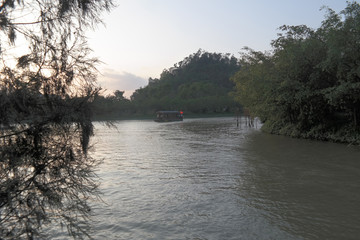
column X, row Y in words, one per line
column 309, row 85
column 200, row 83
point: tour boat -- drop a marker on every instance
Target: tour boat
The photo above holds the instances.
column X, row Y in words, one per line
column 169, row 116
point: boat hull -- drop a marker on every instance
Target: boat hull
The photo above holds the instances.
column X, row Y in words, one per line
column 168, row 120
column 169, row 116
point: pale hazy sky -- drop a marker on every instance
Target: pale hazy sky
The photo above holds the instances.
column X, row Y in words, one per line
column 143, row 37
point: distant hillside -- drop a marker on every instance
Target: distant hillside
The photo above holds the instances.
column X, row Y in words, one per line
column 199, row 84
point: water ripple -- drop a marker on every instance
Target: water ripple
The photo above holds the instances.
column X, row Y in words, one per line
column 208, row 179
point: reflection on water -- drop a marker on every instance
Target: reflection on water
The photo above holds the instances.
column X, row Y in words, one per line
column 208, row 179
column 311, row 189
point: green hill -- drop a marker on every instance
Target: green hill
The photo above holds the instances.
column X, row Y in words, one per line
column 198, row 84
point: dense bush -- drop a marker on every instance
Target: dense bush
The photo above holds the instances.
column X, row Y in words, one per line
column 309, row 85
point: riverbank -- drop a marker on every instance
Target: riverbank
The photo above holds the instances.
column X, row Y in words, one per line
column 344, row 134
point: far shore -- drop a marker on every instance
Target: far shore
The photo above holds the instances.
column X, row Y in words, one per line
column 153, row 116
column 342, row 137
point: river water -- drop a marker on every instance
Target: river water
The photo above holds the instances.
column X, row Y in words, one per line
column 209, row 179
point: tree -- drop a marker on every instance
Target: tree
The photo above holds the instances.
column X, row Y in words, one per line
column 343, row 61
column 119, row 95
column 254, row 83
column 46, row 174
column 309, row 86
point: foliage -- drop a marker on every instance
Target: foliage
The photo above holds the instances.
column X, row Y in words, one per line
column 308, row 86
column 200, row 83
column 46, row 174
column 111, row 107
column 253, row 82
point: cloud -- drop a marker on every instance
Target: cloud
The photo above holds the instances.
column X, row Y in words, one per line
column 111, row 80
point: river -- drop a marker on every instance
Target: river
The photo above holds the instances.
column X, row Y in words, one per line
column 209, row 179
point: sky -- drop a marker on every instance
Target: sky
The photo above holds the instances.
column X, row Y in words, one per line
column 141, row 38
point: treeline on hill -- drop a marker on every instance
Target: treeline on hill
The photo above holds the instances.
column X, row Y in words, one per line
column 309, row 86
column 198, row 84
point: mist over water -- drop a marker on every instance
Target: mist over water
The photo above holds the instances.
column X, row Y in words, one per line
column 209, row 179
